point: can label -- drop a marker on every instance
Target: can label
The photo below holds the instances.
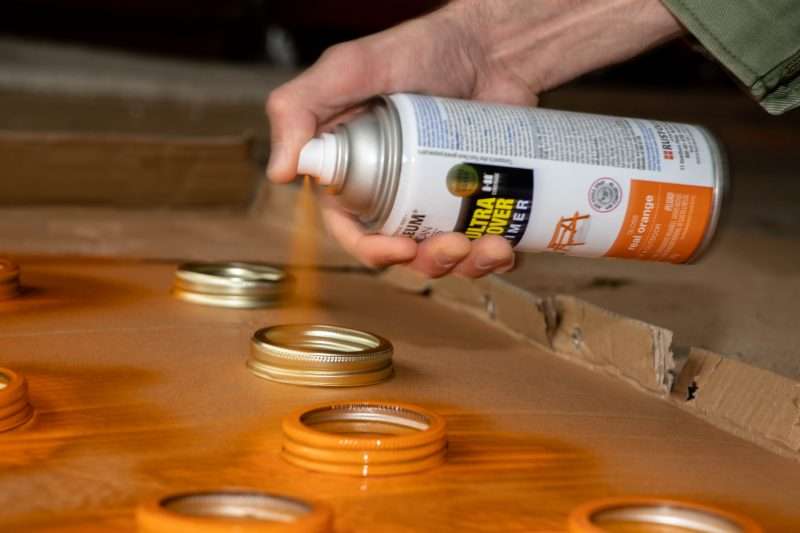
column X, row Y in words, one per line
column 658, row 223
column 546, row 180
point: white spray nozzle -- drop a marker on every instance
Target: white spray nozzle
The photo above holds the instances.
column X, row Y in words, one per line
column 318, row 158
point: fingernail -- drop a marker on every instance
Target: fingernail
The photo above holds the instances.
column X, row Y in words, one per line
column 508, row 267
column 270, row 170
column 443, row 260
column 273, row 164
column 488, row 263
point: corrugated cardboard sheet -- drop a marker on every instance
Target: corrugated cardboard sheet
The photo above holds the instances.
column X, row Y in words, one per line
column 752, row 403
column 126, row 170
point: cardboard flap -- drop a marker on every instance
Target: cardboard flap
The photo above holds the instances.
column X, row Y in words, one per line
column 748, row 401
column 630, row 349
column 613, row 344
column 633, row 350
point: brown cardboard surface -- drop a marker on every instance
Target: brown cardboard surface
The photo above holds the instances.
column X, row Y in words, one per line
column 139, row 393
column 260, row 233
column 634, row 350
column 740, row 302
column 126, row 170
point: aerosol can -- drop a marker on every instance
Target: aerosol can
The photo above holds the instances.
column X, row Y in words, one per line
column 545, row 180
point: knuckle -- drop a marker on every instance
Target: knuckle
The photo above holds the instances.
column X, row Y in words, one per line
column 495, row 245
column 460, row 247
column 346, row 53
column 278, row 102
column 352, row 58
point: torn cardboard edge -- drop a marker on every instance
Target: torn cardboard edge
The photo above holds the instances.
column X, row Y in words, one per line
column 754, row 404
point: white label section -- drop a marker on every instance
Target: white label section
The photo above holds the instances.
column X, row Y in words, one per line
column 582, row 166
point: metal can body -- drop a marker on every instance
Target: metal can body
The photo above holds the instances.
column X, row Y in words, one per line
column 549, row 180
column 545, row 180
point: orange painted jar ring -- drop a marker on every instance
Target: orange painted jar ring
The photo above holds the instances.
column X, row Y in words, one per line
column 15, row 408
column 9, row 279
column 598, row 515
column 373, row 457
column 409, row 438
column 368, row 469
column 232, row 511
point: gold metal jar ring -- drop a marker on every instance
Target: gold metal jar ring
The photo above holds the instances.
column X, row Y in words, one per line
column 320, row 355
column 234, row 284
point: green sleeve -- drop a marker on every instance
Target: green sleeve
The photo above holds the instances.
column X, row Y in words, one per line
column 757, row 40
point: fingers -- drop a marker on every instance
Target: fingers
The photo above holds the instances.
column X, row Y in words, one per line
column 380, row 251
column 438, row 255
column 372, row 250
column 435, row 257
column 490, row 253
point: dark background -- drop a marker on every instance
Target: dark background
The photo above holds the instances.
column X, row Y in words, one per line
column 241, row 32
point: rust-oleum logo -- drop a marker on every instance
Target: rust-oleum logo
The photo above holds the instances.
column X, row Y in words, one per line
column 413, row 224
column 496, row 200
column 664, row 140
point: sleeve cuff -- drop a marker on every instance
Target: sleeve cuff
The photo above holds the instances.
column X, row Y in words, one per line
column 757, row 40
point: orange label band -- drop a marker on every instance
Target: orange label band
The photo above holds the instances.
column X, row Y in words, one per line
column 664, row 221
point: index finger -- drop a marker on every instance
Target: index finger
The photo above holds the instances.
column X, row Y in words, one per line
column 345, row 75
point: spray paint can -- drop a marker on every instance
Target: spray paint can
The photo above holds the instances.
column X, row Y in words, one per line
column 545, row 180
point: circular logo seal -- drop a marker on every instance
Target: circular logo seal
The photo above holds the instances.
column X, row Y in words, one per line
column 605, row 195
column 463, row 180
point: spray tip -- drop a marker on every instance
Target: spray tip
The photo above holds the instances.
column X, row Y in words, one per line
column 318, row 158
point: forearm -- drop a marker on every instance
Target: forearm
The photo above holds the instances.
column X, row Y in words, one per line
column 549, row 42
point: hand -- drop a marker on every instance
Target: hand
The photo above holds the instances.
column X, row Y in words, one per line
column 504, row 51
